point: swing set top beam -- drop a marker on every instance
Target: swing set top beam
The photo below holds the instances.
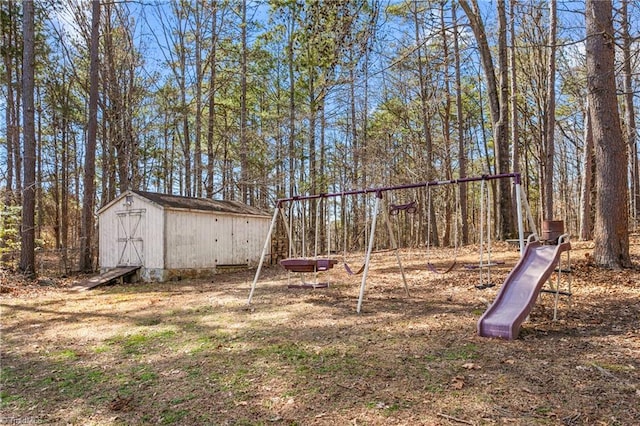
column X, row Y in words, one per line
column 379, row 190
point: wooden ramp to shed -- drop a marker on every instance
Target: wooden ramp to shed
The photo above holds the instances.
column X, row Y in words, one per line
column 119, row 273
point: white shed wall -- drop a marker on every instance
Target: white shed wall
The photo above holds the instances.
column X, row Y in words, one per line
column 187, row 239
column 249, row 235
column 154, row 236
column 131, row 234
column 203, row 240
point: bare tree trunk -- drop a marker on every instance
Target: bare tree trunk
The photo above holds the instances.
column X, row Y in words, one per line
column 313, row 166
column 227, row 166
column 630, row 116
column 13, row 64
column 186, row 136
column 549, row 118
column 39, row 195
column 180, row 71
column 515, row 135
column 109, row 141
column 292, row 97
column 27, row 250
column 213, row 81
column 197, row 154
column 462, row 153
column 17, row 108
column 11, row 118
column 10, row 139
column 446, row 135
column 425, row 117
column 611, row 233
column 86, row 225
column 587, row 178
column 244, row 165
column 118, row 112
column 355, row 149
column 323, row 189
column 504, row 226
column 56, row 185
column 64, row 192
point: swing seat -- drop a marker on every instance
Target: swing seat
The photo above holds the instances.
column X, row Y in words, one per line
column 351, row 271
column 435, row 270
column 307, row 265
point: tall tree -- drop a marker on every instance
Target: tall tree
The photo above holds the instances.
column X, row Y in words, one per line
column 497, row 91
column 86, row 225
column 181, row 74
column 446, row 133
column 462, row 154
column 176, row 50
column 611, row 233
column 513, row 77
column 216, row 24
column 27, row 251
column 120, row 95
column 425, row 114
column 244, row 145
column 550, row 115
column 199, row 77
column 515, row 129
column 10, row 32
column 291, row 13
column 629, row 109
column 586, row 186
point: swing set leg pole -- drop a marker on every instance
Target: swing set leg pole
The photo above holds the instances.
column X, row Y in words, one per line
column 264, row 253
column 369, row 248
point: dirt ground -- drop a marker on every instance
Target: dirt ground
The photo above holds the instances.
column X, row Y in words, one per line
column 193, row 352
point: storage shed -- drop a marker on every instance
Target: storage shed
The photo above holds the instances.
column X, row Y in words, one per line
column 171, row 236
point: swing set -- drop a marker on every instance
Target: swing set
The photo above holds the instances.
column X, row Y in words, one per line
column 317, row 263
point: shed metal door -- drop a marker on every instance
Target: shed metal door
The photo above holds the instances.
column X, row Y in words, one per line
column 130, row 242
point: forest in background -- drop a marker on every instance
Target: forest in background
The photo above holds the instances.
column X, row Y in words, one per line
column 254, row 101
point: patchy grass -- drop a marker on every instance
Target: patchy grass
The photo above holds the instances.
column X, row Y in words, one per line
column 193, row 352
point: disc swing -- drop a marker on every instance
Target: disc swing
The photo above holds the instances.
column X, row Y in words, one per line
column 305, row 264
column 453, row 264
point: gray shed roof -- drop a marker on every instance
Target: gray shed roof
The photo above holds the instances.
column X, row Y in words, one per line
column 204, row 204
